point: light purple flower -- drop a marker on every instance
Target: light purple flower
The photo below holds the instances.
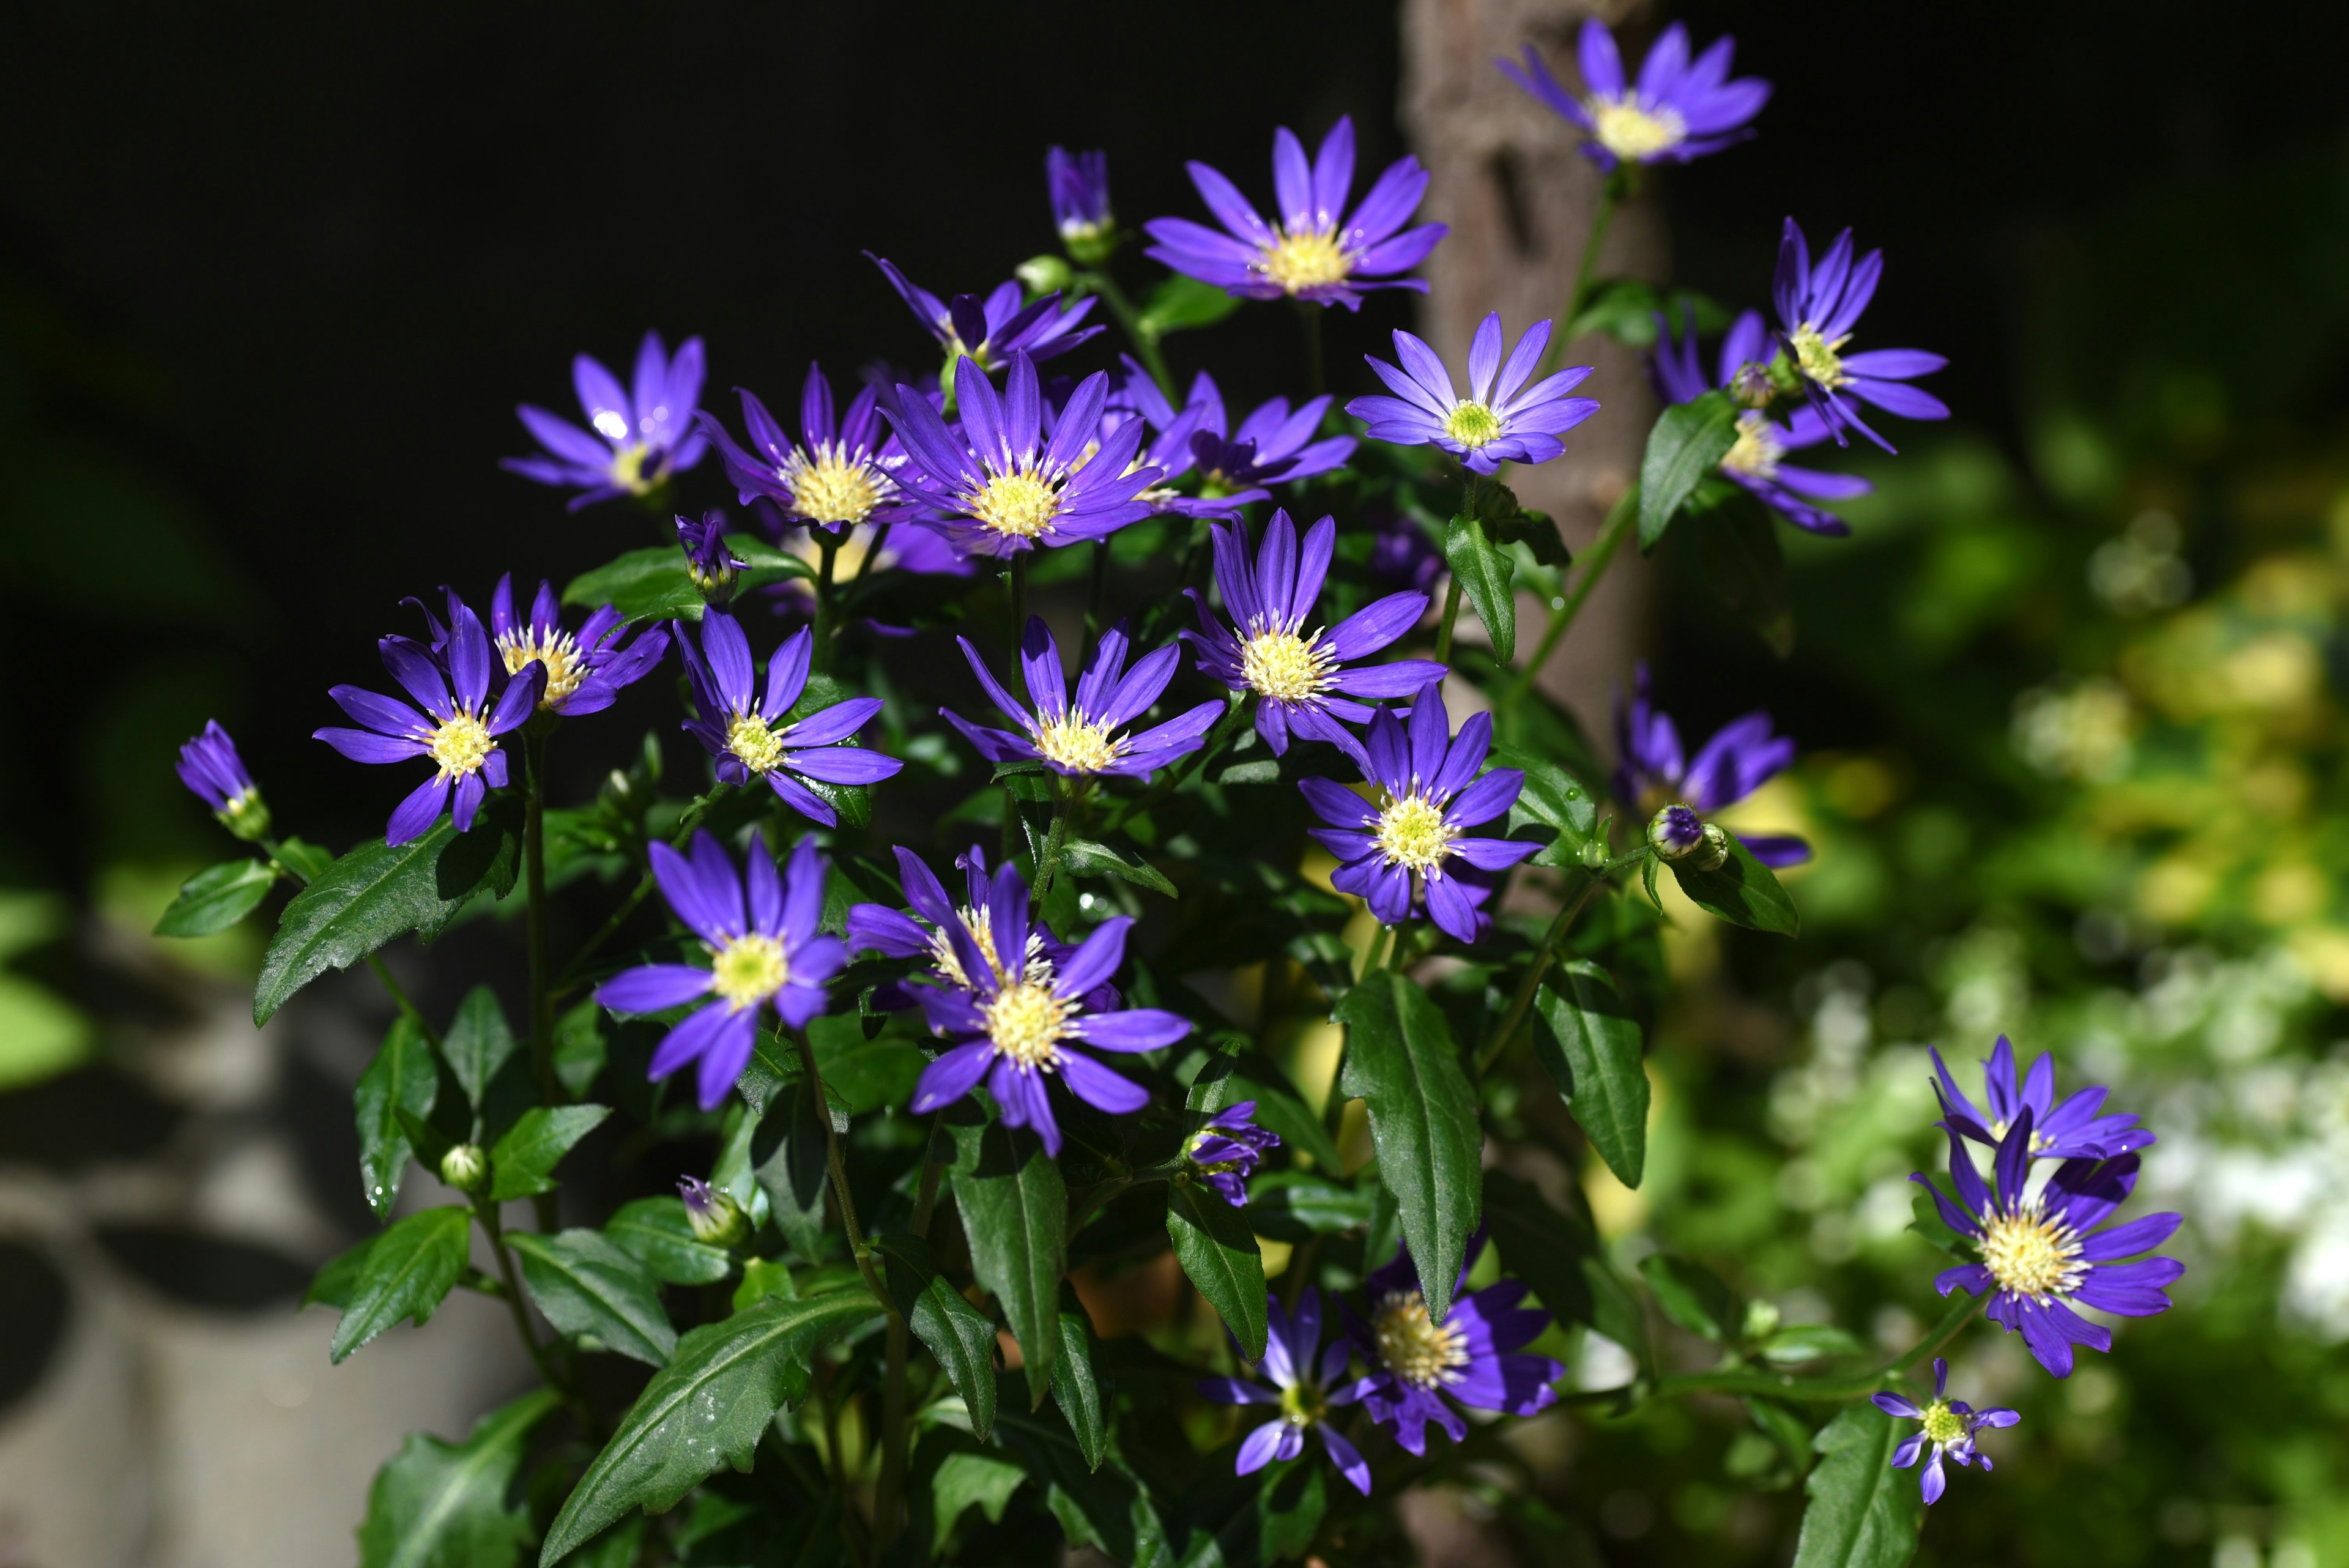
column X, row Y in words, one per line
column 1817, row 308
column 585, row 670
column 764, row 950
column 1079, row 183
column 1755, row 459
column 2071, row 1130
column 1501, row 420
column 1417, row 1365
column 1301, row 682
column 993, row 329
column 1225, row 1152
column 1307, row 1387
column 1950, row 1426
column 840, row 472
column 1652, row 772
column 1312, row 252
column 1679, row 109
column 745, row 734
column 642, row 435
column 1081, row 738
column 1273, row 445
column 877, row 928
column 210, row 768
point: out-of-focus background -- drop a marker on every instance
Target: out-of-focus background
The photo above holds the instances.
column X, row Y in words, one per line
column 2071, row 697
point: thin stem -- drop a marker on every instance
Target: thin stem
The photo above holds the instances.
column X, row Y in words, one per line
column 533, row 854
column 1145, row 345
column 1018, row 598
column 1096, row 602
column 1522, row 1003
column 1611, row 533
column 1617, row 187
column 1048, row 863
column 1316, row 379
column 895, row 1438
column 926, row 1196
column 415, row 1016
column 1451, row 615
column 1827, row 1390
column 827, row 545
column 872, row 554
column 485, row 1213
column 1400, row 954
column 839, row 1167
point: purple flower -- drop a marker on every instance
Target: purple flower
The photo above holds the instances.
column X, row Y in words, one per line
column 1078, row 182
column 1651, row 773
column 1078, row 740
column 1020, row 1021
column 1298, row 679
column 1311, row 253
column 1679, row 109
column 1501, row 420
column 640, row 437
column 1415, row 1362
column 993, row 329
column 765, row 950
column 744, row 734
column 2071, row 1130
column 1949, row 1427
column 459, row 736
column 1225, row 1152
column 1005, row 490
column 1305, row 1375
column 1274, row 445
column 585, row 670
column 709, row 561
column 1755, row 459
column 1410, row 842
column 210, row 766
column 841, row 472
column 2041, row 1250
column 1817, row 308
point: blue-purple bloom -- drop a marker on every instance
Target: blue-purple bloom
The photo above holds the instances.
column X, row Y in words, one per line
column 997, row 487
column 1306, row 1377
column 1501, row 420
column 709, row 561
column 1412, row 845
column 1817, row 308
column 876, row 928
column 1273, row 445
column 1415, row 1362
column 642, row 435
column 1312, row 252
column 765, row 951
column 1950, row 1426
column 1078, row 182
column 744, row 733
column 1225, row 1152
column 1652, row 772
column 2071, row 1130
column 210, row 767
column 2040, row 1250
column 1023, row 1017
column 1080, row 739
column 841, row 472
column 585, row 670
column 1301, row 682
column 1756, row 458
column 993, row 329
column 1679, row 109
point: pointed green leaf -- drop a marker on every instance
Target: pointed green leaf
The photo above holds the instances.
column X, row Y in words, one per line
column 960, row 1335
column 1863, row 1513
column 657, row 1233
column 1688, row 442
column 1738, row 551
column 587, row 1285
column 1740, row 890
column 1298, row 1205
column 478, row 1044
column 306, row 861
column 402, row 1078
column 370, row 896
column 965, row 1479
column 1075, row 1389
column 1693, row 1296
column 409, row 1272
column 443, row 1505
column 1015, row 1216
column 790, row 1154
column 216, row 898
column 1084, row 857
column 1552, row 798
column 651, row 584
column 338, row 1276
column 1218, row 1252
column 1585, row 1035
column 1482, row 570
column 1181, row 303
column 1802, row 1342
column 580, row 1047
column 522, row 1163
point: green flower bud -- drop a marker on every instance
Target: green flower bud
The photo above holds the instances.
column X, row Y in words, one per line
column 717, row 1219
column 1043, row 275
column 1761, row 1319
column 246, row 816
column 466, row 1168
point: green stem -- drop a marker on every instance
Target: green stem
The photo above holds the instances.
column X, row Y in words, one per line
column 1522, row 1003
column 1316, row 379
column 415, row 1014
column 569, row 979
column 485, row 1213
column 1618, row 186
column 1096, row 602
column 1619, row 518
column 1102, row 283
column 872, row 553
column 1047, row 864
column 534, row 854
column 1018, row 598
column 838, row 1166
column 1451, row 614
column 1400, row 954
column 1827, row 1390
column 827, row 547
column 895, row 1440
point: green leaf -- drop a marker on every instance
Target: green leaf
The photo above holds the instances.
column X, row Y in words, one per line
column 579, row 1047
column 656, row 1232
column 1551, row 798
column 217, row 898
column 790, row 1155
column 1587, row 1037
column 1401, row 1062
column 960, row 1335
column 1688, row 442
column 409, row 1272
column 1863, row 1513
column 364, row 899
column 1560, row 1256
column 338, row 1276
column 1740, row 890
column 1218, row 1252
column 643, row 585
column 1015, row 1216
column 307, row 861
column 1182, row 303
column 705, row 1409
column 1737, row 552
column 965, row 1479
column 1075, row 1389
column 587, row 1285
column 522, row 1163
column 1803, row 1341
column 1084, row 857
column 402, row 1078
column 762, row 1278
column 1297, row 1206
column 1789, row 1431
column 1691, row 1296
column 859, row 1073
column 1483, row 572
column 1626, row 309
column 478, row 1044
column 1926, row 1222
column 443, row 1505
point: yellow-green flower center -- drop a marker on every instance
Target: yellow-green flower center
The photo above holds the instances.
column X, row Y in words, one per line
column 2033, row 1256
column 459, row 743
column 1021, row 503
column 1472, row 425
column 1819, row 357
column 2040, row 1141
column 1421, row 1352
column 1073, row 741
column 1758, row 449
column 748, row 969
column 1412, row 833
column 1027, row 1022
column 829, row 486
column 1300, row 262
column 1302, row 1403
column 628, row 468
column 748, row 737
column 1286, row 666
column 1633, row 132
column 1943, row 1424
column 982, row 922
column 555, row 649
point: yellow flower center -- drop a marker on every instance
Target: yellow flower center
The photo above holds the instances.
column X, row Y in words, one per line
column 1304, row 261
column 1943, row 1424
column 1022, row 503
column 1819, row 357
column 1633, row 132
column 557, row 650
column 1411, row 832
column 1758, row 449
column 2040, row 1141
column 1303, row 1404
column 748, row 969
column 459, row 743
column 628, row 469
column 1422, row 1354
column 829, row 486
column 1027, row 1022
column 760, row 748
column 1472, row 425
column 2031, row 1255
column 982, row 930
column 1073, row 741
column 1284, row 666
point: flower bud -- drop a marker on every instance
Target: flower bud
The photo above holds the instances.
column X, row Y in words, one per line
column 1716, row 848
column 1750, row 387
column 1761, row 1319
column 717, row 1219
column 246, row 816
column 1043, row 275
column 467, row 1169
column 1676, row 832
column 708, row 561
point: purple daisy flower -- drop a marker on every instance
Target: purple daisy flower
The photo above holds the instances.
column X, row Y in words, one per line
column 1300, row 682
column 841, row 473
column 1020, row 1023
column 210, row 768
column 2071, row 1130
column 876, row 928
column 585, row 670
column 1652, row 772
column 1950, row 1426
column 1680, row 108
column 742, row 733
column 1078, row 740
column 1817, row 308
column 1756, row 459
column 765, row 950
column 1307, row 1387
column 1410, row 847
column 1417, row 1362
column 1079, row 183
column 642, row 436
column 1004, row 489
column 993, row 329
column 2040, row 1252
column 1225, row 1152
column 1312, row 254
column 709, row 561
column 1501, row 420
column 1273, row 445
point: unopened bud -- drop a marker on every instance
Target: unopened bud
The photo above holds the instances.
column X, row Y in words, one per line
column 1043, row 275
column 717, row 1219
column 1750, row 387
column 246, row 816
column 466, row 1168
column 1761, row 1319
column 712, row 567
column 1715, row 850
column 1676, row 832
